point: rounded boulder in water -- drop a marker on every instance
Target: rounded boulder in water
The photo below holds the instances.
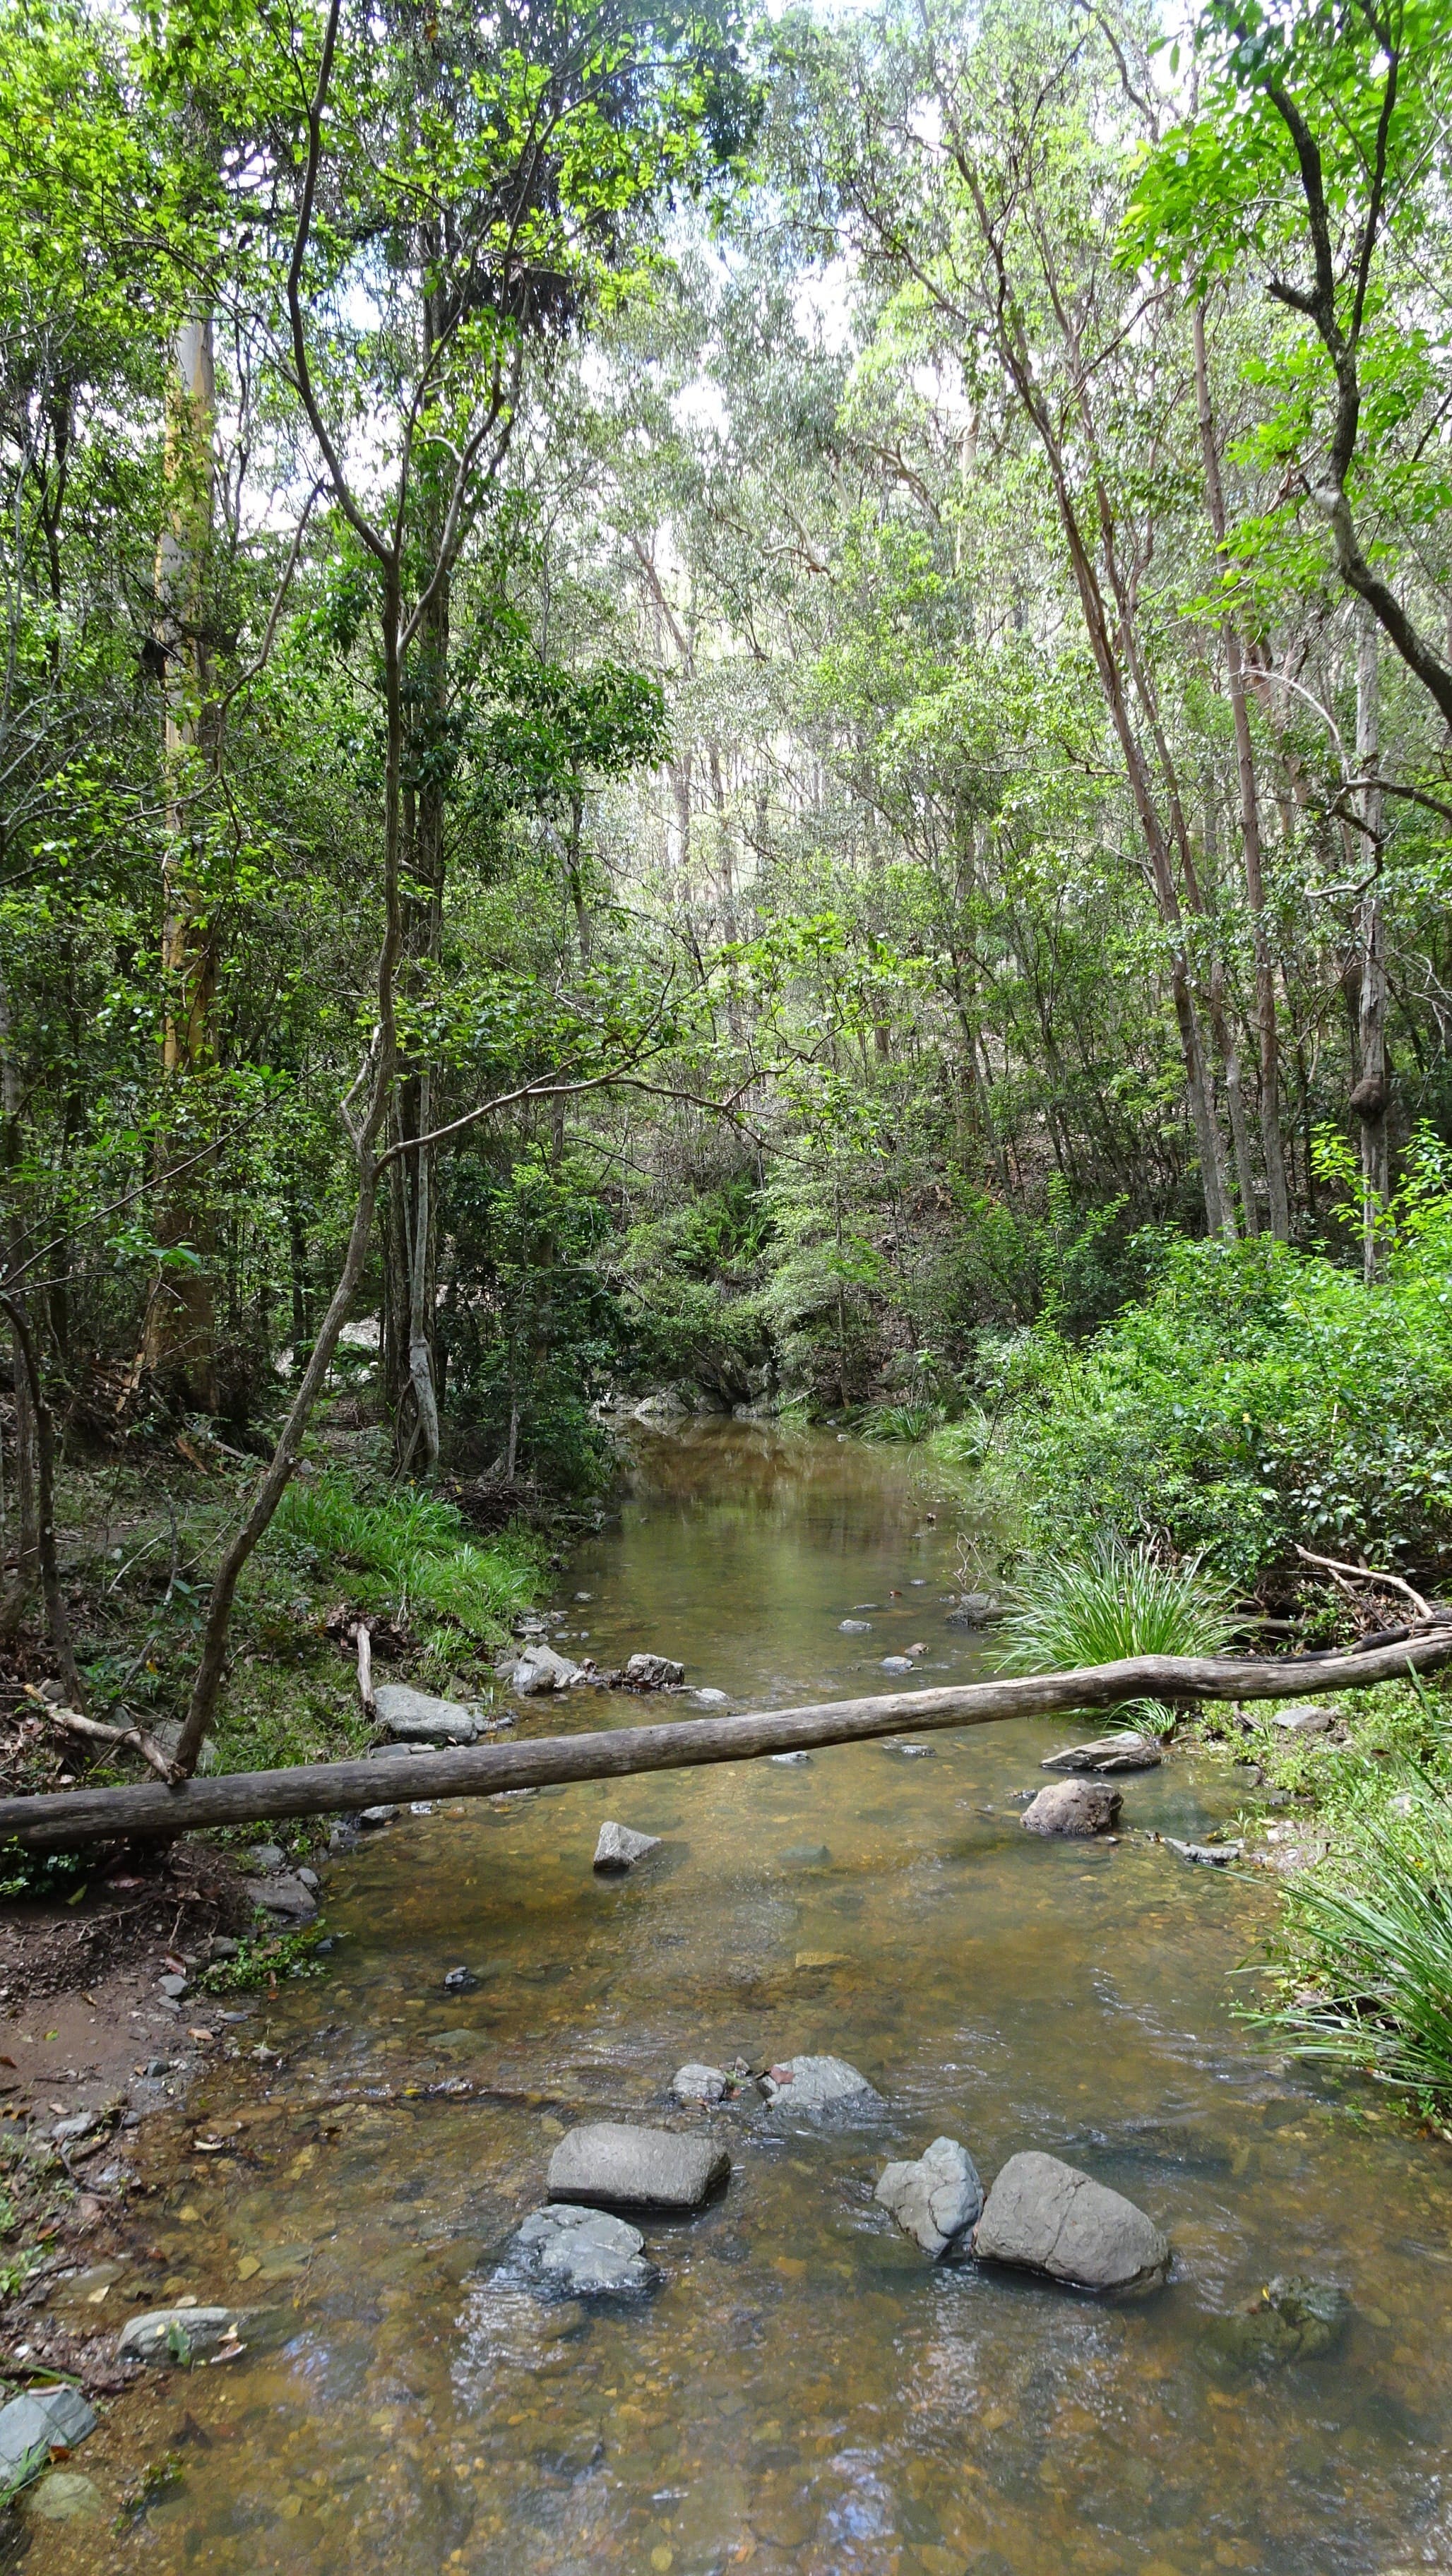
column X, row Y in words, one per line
column 1045, row 2216
column 612, row 2165
column 820, row 2088
column 1073, row 1807
column 936, row 2199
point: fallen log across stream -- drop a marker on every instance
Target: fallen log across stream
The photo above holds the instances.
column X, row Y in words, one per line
column 63, row 1819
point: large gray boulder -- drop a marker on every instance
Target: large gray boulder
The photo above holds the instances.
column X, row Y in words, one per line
column 540, row 1669
column 47, row 2419
column 618, row 2167
column 820, row 2088
column 619, row 1847
column 169, row 2335
column 415, row 1717
column 1126, row 1751
column 1046, row 2216
column 1073, row 1807
column 585, row 2253
column 936, row 2199
column 699, row 2084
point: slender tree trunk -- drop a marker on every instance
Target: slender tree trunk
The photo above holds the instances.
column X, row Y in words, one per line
column 1369, row 1099
column 179, row 1345
column 1267, row 1032
column 27, row 1551
column 57, row 1619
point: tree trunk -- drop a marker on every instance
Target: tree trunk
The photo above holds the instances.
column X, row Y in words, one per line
column 179, row 1345
column 1267, row 1033
column 1369, row 1099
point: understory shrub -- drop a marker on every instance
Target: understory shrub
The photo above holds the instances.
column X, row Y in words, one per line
column 1258, row 1396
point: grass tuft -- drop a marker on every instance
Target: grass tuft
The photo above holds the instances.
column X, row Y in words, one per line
column 1367, row 1979
column 1112, row 1602
column 407, row 1552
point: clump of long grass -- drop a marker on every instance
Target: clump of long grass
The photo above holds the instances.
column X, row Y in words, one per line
column 913, row 1420
column 1111, row 1602
column 404, row 1552
column 1371, row 1984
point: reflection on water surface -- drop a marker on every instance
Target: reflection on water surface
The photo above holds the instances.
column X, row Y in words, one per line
column 805, row 2393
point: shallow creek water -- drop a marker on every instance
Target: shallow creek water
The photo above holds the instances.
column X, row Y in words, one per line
column 805, row 2392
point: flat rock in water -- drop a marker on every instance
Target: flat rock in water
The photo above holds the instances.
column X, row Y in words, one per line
column 540, row 1669
column 1303, row 1720
column 710, row 1698
column 414, row 1717
column 287, row 1897
column 937, row 2198
column 1073, row 1807
column 1209, row 1855
column 820, row 2088
column 854, row 1627
column 911, row 1752
column 606, row 2162
column 653, row 1672
column 789, row 1758
column 586, row 2253
column 620, row 1847
column 1126, row 1751
column 44, row 2420
column 176, row 2334
column 377, row 1815
column 699, row 2084
column 1047, row 2216
column 897, row 1663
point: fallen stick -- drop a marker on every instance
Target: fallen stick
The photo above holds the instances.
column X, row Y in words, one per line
column 134, row 1738
column 59, row 1820
column 365, row 1670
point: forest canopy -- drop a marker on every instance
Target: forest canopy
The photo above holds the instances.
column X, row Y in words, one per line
column 755, row 708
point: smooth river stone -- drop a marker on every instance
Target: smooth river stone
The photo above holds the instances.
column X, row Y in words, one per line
column 540, row 1669
column 620, row 1847
column 1073, row 1807
column 585, row 2252
column 699, row 2084
column 819, row 2088
column 605, row 2162
column 47, row 2418
column 151, row 2337
column 415, row 1717
column 937, row 2198
column 1046, row 2216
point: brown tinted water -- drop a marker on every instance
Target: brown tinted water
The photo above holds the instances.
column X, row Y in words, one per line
column 805, row 2392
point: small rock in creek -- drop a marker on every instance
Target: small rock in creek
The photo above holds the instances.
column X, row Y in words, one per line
column 79, row 2125
column 937, row 2199
column 264, row 1856
column 1073, row 1807
column 540, row 1669
column 699, row 2084
column 1046, row 2216
column 584, row 1596
column 174, row 1986
column 310, row 1879
column 46, row 2419
column 606, row 2162
column 377, row 1815
column 792, row 1758
column 911, row 1752
column 820, row 2088
column 168, row 2335
column 460, row 1981
column 710, row 1698
column 1126, row 1751
column 974, row 1610
column 1303, row 1720
column 807, row 1855
column 1209, row 1855
column 620, row 1847
column 289, row 1898
column 1292, row 2319
column 854, row 1627
column 65, row 2496
column 653, row 1672
column 897, row 1663
column 585, row 2253
column 421, row 1807
column 415, row 1717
